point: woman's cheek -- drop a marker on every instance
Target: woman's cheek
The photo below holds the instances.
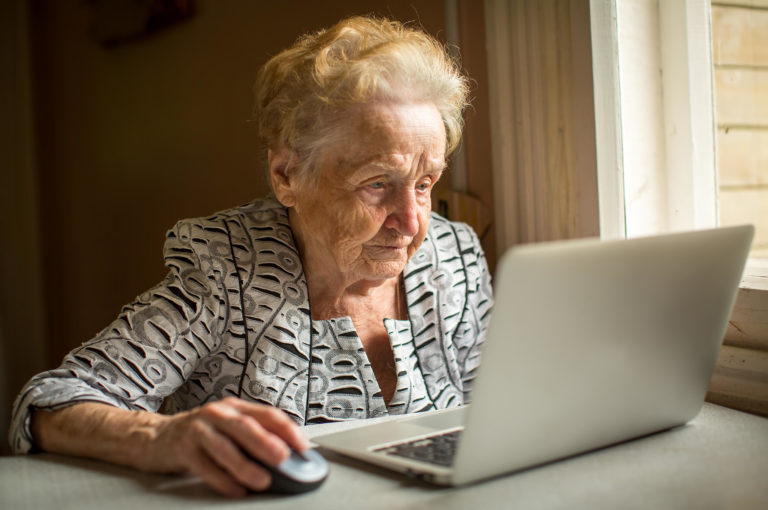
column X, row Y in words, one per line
column 371, row 217
column 352, row 226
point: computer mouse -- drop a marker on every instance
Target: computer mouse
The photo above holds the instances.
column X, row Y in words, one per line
column 301, row 472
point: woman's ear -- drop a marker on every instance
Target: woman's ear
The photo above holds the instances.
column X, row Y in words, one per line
column 281, row 163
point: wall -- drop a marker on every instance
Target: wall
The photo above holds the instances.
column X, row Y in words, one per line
column 740, row 44
column 21, row 324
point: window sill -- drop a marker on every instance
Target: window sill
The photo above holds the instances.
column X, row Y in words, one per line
column 740, row 380
column 748, row 326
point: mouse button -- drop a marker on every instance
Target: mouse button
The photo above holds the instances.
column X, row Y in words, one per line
column 308, row 466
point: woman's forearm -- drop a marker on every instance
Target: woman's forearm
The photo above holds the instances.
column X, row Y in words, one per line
column 213, row 442
column 100, row 431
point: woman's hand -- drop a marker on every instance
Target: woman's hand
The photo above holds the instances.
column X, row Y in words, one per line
column 211, row 442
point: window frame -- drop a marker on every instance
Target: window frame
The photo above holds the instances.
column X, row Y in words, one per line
column 679, row 67
column 653, row 80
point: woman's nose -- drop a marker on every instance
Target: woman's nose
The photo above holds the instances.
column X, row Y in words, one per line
column 404, row 216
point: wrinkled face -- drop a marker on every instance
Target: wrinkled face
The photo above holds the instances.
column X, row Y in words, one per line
column 365, row 212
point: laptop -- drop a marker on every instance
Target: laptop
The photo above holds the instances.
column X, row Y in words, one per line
column 590, row 343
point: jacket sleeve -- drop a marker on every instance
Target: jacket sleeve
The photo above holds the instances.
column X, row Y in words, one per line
column 146, row 353
column 477, row 312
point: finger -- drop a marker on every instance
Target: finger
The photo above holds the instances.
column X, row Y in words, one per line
column 202, row 466
column 230, row 462
column 246, row 431
column 275, row 421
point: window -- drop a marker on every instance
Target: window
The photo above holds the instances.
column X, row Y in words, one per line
column 655, row 68
column 661, row 79
column 654, row 169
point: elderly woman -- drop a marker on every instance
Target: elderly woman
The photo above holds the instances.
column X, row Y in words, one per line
column 340, row 297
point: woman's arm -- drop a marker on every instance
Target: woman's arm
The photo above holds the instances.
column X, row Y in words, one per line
column 207, row 442
column 143, row 356
column 100, row 403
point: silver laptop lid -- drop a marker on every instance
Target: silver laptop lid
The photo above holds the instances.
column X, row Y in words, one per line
column 591, row 343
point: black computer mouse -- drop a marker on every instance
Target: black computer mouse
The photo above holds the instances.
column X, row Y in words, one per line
column 301, row 472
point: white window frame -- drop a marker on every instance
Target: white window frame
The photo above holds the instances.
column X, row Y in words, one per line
column 655, row 123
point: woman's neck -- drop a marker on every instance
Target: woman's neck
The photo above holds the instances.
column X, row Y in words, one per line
column 380, row 298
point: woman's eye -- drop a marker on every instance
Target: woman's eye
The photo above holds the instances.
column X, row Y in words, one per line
column 377, row 185
column 423, row 186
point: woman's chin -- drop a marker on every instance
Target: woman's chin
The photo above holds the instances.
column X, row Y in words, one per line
column 384, row 269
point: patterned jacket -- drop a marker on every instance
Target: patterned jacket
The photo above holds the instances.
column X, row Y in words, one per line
column 233, row 318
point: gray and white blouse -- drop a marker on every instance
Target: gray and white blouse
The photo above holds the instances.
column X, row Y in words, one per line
column 232, row 318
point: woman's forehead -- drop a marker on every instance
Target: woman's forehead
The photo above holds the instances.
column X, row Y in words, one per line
column 394, row 116
column 382, row 132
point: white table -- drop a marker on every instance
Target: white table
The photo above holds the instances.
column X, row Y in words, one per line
column 719, row 460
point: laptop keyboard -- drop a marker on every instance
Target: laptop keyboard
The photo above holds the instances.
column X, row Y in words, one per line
column 438, row 449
